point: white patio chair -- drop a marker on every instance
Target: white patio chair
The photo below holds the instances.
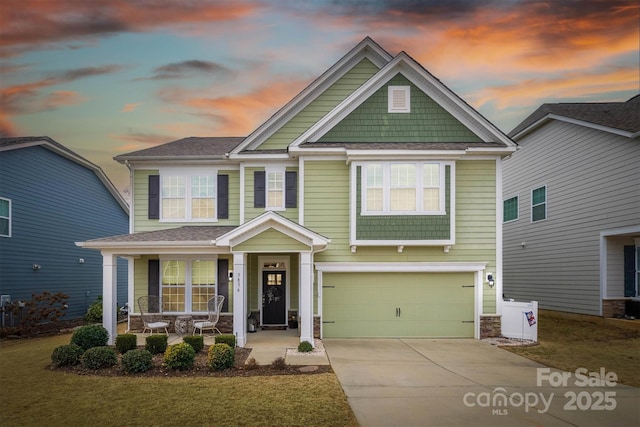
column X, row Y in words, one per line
column 214, row 306
column 151, row 313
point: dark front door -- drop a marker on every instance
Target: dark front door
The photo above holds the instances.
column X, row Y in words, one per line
column 273, row 298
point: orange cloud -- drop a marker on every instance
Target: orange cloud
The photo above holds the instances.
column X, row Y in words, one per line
column 574, row 85
column 236, row 114
column 131, row 107
column 32, row 23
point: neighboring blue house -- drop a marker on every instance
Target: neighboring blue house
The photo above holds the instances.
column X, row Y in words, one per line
column 50, row 197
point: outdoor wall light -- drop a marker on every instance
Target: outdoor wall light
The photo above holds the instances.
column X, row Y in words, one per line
column 490, row 280
column 81, row 261
column 36, row 266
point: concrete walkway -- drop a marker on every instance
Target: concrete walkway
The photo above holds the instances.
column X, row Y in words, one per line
column 422, row 382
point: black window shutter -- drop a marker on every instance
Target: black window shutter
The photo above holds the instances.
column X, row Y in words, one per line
column 223, row 283
column 223, row 196
column 154, row 277
column 629, row 271
column 259, row 189
column 291, row 189
column 154, row 196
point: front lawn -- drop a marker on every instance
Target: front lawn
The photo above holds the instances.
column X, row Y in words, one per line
column 33, row 394
column 571, row 343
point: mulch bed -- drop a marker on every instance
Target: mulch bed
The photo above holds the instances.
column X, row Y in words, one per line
column 199, row 368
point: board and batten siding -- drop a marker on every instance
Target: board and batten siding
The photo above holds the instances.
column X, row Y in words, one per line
column 55, row 203
column 141, row 221
column 320, row 106
column 326, row 211
column 592, row 185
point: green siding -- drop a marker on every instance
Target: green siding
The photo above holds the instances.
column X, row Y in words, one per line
column 430, row 305
column 404, row 227
column 327, row 213
column 271, row 240
column 324, row 103
column 427, row 121
column 141, row 222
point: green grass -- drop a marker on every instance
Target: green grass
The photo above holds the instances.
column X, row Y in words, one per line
column 570, row 343
column 32, row 394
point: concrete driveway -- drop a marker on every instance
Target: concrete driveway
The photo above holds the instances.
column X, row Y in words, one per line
column 425, row 382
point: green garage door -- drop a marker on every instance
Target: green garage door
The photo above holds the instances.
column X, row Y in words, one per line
column 398, row 305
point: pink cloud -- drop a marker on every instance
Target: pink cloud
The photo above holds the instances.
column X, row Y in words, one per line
column 131, row 107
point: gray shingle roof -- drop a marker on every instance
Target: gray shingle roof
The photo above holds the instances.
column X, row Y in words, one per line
column 623, row 116
column 204, row 147
column 181, row 234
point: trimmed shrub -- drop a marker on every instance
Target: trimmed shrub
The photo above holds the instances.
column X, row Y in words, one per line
column 279, row 363
column 228, row 339
column 90, row 336
column 126, row 342
column 94, row 312
column 156, row 344
column 136, row 361
column 305, row 347
column 195, row 341
column 68, row 354
column 221, row 356
column 99, row 357
column 179, row 356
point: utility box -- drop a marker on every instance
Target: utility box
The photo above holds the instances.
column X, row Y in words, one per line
column 520, row 320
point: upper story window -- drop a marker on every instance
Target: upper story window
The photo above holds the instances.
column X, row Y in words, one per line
column 275, row 188
column 510, row 209
column 403, row 188
column 181, row 195
column 399, row 99
column 5, row 217
column 539, row 204
column 188, row 197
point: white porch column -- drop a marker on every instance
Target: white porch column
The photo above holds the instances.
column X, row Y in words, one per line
column 239, row 299
column 109, row 294
column 306, row 298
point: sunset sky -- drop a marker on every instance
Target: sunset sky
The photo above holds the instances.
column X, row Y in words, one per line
column 105, row 77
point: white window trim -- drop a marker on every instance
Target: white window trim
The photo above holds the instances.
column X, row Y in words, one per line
column 392, row 108
column 546, row 202
column 187, row 174
column 188, row 294
column 279, row 170
column 517, row 197
column 386, row 189
column 7, row 217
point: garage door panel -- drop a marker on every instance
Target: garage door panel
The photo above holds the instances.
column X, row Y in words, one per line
column 398, row 305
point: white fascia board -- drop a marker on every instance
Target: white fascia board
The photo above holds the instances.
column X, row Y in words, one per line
column 367, row 48
column 357, row 155
column 149, row 244
column 449, row 242
column 268, row 220
column 258, row 155
column 399, row 267
column 501, row 151
column 551, row 116
column 405, row 65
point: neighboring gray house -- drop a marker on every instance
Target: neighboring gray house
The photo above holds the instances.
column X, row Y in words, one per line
column 571, row 199
column 50, row 197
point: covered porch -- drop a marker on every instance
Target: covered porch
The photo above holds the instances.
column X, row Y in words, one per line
column 265, row 263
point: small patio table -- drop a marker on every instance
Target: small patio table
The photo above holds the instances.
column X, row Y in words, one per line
column 184, row 324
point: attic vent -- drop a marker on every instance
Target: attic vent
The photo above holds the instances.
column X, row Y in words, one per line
column 399, row 99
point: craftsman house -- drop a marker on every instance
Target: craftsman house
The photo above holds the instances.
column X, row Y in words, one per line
column 572, row 209
column 367, row 206
column 44, row 192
